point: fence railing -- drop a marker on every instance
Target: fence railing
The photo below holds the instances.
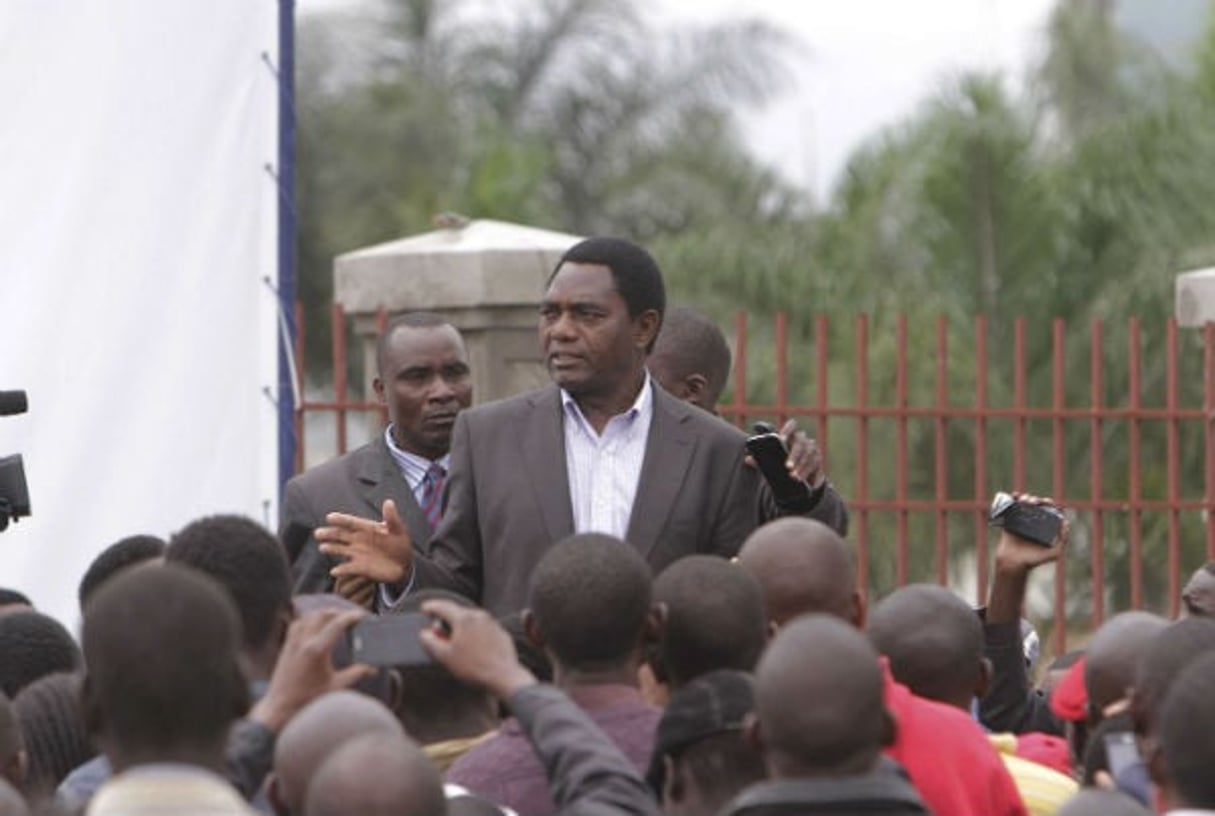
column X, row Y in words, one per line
column 918, row 436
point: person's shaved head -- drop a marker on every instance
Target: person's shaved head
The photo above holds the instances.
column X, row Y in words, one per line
column 1180, row 644
column 1198, row 597
column 804, row 567
column 1098, row 802
column 1113, row 655
column 691, row 359
column 934, row 642
column 818, row 698
column 315, row 733
column 377, row 775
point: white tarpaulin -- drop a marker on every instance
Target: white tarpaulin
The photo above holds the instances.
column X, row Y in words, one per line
column 137, row 226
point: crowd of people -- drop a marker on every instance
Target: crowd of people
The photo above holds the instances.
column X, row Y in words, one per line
column 580, row 600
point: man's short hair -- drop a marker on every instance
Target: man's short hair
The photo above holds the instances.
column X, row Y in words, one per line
column 377, row 775
column 692, row 343
column 160, row 649
column 409, row 320
column 1168, row 654
column 715, row 618
column 248, row 563
column 635, row 272
column 11, row 597
column 590, row 596
column 932, row 638
column 121, row 554
column 1187, row 734
column 33, row 645
column 53, row 729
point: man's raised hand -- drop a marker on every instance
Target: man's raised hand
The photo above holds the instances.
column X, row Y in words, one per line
column 379, row 550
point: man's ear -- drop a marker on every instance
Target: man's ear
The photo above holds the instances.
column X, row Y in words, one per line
column 274, row 796
column 773, row 629
column 673, row 788
column 94, row 719
column 377, row 385
column 859, row 614
column 655, row 623
column 645, row 328
column 753, row 735
column 1157, row 770
column 696, row 384
column 532, row 629
column 16, row 769
column 983, row 680
column 890, row 728
column 396, row 689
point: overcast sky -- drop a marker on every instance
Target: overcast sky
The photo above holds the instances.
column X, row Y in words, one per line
column 866, row 64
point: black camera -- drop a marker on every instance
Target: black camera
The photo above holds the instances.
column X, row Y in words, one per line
column 14, row 493
column 1033, row 522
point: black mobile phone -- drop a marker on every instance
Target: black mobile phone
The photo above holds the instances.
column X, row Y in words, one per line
column 1121, row 752
column 391, row 640
column 770, row 454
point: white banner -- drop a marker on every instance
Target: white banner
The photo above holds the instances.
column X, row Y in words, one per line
column 137, row 228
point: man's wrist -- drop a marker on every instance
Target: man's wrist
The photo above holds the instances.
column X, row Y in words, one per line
column 270, row 713
column 509, row 683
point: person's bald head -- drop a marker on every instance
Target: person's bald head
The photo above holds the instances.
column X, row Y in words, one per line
column 316, row 732
column 804, row 567
column 377, row 775
column 1113, row 656
column 818, row 700
column 691, row 359
column 1198, row 597
column 934, row 642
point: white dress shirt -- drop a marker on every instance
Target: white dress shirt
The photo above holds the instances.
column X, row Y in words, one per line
column 604, row 468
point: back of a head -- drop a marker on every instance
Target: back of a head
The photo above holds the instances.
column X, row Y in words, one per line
column 1187, row 735
column 803, row 567
column 933, row 640
column 377, row 775
column 128, row 552
column 162, row 677
column 715, row 618
column 1099, row 802
column 818, row 695
column 33, row 645
column 434, row 704
column 691, row 343
column 1180, row 644
column 590, row 596
column 12, row 600
column 1113, row 655
column 319, row 729
column 247, row 561
column 53, row 729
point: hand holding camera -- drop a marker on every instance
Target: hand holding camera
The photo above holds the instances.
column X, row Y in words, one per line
column 1034, row 530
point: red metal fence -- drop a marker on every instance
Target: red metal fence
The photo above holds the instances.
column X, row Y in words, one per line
column 1137, row 469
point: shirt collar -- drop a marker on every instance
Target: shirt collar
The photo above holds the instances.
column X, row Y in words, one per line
column 413, row 467
column 641, row 407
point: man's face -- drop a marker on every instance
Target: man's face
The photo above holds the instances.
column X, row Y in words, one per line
column 591, row 345
column 1198, row 597
column 425, row 381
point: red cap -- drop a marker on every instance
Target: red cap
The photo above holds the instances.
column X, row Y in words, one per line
column 1069, row 700
column 1045, row 749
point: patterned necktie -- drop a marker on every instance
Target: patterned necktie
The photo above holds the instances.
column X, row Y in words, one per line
column 432, row 493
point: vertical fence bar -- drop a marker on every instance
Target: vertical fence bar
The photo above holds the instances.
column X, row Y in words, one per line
column 822, row 366
column 980, row 517
column 299, row 369
column 1096, row 400
column 1019, row 399
column 900, row 449
column 740, row 368
column 1208, row 434
column 338, row 332
column 862, row 452
column 1174, row 466
column 782, row 369
column 940, row 452
column 1134, row 463
column 1058, row 474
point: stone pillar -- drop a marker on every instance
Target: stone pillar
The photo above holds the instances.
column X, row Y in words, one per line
column 486, row 277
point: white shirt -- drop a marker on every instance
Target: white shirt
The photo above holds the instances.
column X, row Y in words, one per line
column 604, row 468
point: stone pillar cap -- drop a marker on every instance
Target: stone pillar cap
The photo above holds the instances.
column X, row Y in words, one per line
column 468, row 264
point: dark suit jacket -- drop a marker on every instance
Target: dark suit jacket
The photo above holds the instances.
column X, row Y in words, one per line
column 508, row 495
column 356, row 483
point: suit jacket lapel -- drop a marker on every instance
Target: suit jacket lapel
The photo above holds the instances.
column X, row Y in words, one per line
column 381, row 479
column 543, row 439
column 668, row 453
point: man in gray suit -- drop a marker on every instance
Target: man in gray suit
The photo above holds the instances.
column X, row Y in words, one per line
column 605, row 449
column 424, row 380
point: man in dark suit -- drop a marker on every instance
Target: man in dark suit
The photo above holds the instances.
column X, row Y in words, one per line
column 424, row 380
column 604, row 449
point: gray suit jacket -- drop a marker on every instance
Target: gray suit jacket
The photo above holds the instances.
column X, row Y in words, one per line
column 356, row 483
column 508, row 495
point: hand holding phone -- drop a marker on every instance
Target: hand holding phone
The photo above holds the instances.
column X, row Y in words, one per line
column 391, row 640
column 771, row 457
